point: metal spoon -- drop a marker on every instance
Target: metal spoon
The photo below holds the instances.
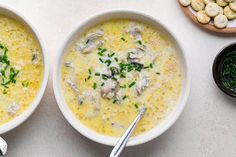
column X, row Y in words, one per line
column 124, row 139
column 3, row 146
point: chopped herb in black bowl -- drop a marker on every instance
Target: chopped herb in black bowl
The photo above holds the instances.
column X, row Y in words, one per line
column 229, row 71
column 224, row 70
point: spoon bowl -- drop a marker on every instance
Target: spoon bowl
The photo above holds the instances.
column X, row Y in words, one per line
column 3, row 146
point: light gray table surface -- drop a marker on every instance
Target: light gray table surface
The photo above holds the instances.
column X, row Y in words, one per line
column 206, row 128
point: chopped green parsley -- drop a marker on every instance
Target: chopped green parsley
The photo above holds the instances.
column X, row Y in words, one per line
column 7, row 72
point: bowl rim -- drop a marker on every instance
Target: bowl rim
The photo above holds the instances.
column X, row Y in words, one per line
column 215, row 74
column 12, row 13
column 92, row 135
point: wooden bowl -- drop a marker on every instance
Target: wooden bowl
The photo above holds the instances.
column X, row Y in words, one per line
column 209, row 26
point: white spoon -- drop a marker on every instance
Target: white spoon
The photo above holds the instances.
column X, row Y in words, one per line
column 3, row 146
column 125, row 138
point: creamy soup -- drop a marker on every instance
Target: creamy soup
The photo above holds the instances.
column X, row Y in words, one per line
column 114, row 69
column 21, row 68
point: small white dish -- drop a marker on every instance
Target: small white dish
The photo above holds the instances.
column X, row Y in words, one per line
column 4, row 10
column 147, row 136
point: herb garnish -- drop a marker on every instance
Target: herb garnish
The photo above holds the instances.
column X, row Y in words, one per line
column 139, row 42
column 111, row 55
column 25, row 84
column 116, row 59
column 97, row 74
column 124, row 97
column 113, row 78
column 101, row 60
column 104, row 77
column 122, row 75
column 130, row 66
column 101, row 51
column 4, row 91
column 229, row 72
column 119, row 68
column 124, row 86
column 6, row 68
column 150, row 65
column 122, row 38
column 90, row 71
column 132, row 84
column 114, row 71
column 94, row 85
column 114, row 101
column 108, row 62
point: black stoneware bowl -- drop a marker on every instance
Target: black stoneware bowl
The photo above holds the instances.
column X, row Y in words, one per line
column 217, row 68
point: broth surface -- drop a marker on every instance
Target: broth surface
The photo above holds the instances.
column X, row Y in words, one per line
column 21, row 68
column 117, row 67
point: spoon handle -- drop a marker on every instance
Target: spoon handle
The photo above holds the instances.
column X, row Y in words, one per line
column 3, row 146
column 124, row 139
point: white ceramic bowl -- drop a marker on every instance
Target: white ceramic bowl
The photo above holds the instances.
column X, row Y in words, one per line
column 21, row 118
column 147, row 136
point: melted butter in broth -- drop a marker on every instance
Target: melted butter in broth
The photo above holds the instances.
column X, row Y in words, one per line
column 21, row 69
column 114, row 69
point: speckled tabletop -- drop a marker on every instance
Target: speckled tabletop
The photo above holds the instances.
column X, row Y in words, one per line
column 207, row 127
